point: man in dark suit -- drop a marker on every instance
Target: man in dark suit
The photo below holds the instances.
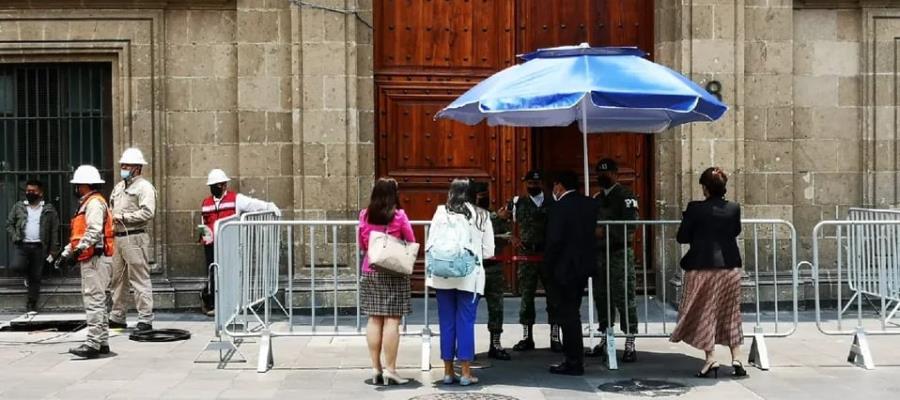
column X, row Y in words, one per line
column 570, row 259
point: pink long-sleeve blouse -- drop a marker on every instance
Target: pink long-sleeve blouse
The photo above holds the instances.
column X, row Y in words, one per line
column 399, row 227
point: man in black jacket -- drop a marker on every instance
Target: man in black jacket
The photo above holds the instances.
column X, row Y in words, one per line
column 570, row 259
column 33, row 226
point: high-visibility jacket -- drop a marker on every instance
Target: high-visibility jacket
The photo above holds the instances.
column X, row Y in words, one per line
column 79, row 227
column 213, row 212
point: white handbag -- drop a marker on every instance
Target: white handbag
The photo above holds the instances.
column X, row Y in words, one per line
column 390, row 254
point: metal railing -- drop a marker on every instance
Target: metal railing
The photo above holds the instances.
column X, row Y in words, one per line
column 770, row 253
column 244, row 254
column 863, row 269
column 327, row 274
column 862, row 255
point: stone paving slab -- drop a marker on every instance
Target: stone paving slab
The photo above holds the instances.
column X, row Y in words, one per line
column 807, row 365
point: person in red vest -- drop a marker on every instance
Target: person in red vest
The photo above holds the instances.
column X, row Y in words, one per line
column 90, row 246
column 222, row 203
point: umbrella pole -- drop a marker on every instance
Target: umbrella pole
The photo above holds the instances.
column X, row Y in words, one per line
column 584, row 146
column 587, row 192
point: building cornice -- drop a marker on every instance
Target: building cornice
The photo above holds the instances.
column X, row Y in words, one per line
column 852, row 4
column 116, row 4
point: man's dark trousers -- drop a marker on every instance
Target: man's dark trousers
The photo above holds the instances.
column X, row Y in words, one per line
column 30, row 260
column 568, row 314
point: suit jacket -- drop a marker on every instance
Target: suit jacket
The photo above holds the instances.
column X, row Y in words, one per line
column 569, row 250
column 711, row 228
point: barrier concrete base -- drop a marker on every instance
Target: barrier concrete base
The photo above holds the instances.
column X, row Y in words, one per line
column 426, row 349
column 860, row 354
column 759, row 353
column 265, row 360
column 611, row 361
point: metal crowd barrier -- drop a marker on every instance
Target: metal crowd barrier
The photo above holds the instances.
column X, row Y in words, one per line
column 862, row 278
column 862, row 255
column 769, row 252
column 247, row 257
column 248, row 269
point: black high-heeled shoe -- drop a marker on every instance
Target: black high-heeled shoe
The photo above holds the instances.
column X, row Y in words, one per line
column 709, row 369
column 739, row 370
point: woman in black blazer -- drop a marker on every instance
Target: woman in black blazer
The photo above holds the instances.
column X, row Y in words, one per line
column 710, row 312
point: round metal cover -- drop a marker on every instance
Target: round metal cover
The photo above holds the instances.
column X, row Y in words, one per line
column 463, row 396
column 645, row 388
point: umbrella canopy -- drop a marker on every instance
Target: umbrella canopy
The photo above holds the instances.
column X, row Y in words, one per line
column 605, row 89
column 619, row 89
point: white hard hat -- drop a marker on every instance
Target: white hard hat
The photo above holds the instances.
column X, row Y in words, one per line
column 86, row 175
column 132, row 155
column 216, row 176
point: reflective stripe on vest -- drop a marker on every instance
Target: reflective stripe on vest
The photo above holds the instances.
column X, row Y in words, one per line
column 212, row 212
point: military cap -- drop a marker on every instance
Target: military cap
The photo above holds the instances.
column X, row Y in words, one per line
column 532, row 175
column 607, row 165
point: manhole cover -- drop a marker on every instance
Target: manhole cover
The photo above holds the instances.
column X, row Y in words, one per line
column 645, row 388
column 463, row 396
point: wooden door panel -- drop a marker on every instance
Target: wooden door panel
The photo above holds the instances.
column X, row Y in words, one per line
column 427, row 52
column 439, row 36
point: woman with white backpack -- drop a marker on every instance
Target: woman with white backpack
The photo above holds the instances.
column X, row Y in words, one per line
column 459, row 239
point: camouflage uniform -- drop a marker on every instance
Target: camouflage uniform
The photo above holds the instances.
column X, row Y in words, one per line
column 494, row 285
column 532, row 221
column 617, row 205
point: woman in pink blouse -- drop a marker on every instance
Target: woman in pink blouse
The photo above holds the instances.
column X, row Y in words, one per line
column 384, row 296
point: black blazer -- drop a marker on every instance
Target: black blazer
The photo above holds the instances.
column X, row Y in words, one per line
column 569, row 249
column 711, row 228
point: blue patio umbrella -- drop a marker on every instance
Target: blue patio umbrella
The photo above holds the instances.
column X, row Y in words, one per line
column 605, row 89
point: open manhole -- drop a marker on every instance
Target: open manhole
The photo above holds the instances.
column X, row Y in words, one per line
column 463, row 396
column 45, row 322
column 645, row 388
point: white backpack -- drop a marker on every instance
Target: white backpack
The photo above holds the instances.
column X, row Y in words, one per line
column 449, row 253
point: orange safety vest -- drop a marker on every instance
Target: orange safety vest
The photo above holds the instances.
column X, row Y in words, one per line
column 211, row 212
column 79, row 226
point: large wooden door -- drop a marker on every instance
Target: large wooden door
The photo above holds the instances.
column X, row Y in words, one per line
column 428, row 52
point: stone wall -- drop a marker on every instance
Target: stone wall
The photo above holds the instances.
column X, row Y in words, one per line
column 272, row 92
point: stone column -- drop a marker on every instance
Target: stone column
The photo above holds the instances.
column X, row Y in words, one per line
column 264, row 101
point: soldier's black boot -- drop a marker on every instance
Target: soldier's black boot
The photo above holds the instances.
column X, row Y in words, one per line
column 555, row 342
column 497, row 351
column 527, row 342
column 598, row 350
column 630, row 354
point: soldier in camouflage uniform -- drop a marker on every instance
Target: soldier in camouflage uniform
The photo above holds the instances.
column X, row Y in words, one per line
column 615, row 203
column 529, row 212
column 494, row 285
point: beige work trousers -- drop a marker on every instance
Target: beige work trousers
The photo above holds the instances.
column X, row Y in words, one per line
column 94, row 281
column 130, row 267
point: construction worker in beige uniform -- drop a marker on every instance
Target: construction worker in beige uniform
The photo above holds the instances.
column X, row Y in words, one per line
column 90, row 247
column 133, row 203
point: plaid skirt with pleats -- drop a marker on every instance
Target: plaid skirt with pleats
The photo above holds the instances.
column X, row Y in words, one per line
column 384, row 294
column 710, row 312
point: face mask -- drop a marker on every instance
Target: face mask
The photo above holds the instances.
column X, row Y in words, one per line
column 605, row 182
column 534, row 191
column 124, row 173
column 32, row 197
column 216, row 191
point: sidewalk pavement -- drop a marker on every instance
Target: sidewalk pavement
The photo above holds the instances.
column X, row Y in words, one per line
column 807, row 365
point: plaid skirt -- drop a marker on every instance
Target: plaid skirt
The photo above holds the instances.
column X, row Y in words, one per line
column 710, row 312
column 384, row 294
